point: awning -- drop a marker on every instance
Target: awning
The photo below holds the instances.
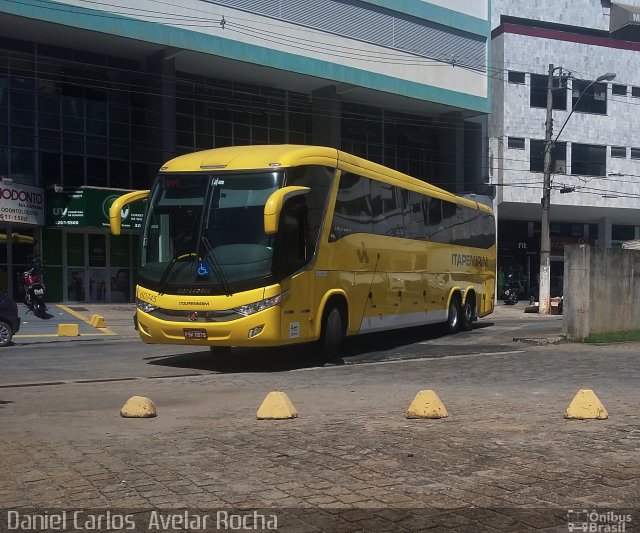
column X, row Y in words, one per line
column 624, row 22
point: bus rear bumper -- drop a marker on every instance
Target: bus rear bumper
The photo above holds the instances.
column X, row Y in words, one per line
column 259, row 329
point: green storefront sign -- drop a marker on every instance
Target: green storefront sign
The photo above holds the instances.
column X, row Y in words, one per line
column 88, row 207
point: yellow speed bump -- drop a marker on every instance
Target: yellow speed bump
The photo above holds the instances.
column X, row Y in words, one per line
column 586, row 405
column 68, row 330
column 97, row 321
column 426, row 404
column 276, row 406
column 138, row 407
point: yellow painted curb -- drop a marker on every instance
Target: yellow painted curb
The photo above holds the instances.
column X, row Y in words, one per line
column 586, row 405
column 426, row 404
column 138, row 407
column 97, row 321
column 276, row 406
column 68, row 330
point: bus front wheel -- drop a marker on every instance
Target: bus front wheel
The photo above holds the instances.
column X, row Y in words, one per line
column 453, row 315
column 333, row 330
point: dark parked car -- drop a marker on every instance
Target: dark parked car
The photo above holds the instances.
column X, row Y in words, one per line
column 9, row 319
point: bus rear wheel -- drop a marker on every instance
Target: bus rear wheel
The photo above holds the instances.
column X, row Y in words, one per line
column 466, row 317
column 333, row 331
column 453, row 315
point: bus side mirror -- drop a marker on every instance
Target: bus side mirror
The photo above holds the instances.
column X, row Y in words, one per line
column 115, row 211
column 273, row 207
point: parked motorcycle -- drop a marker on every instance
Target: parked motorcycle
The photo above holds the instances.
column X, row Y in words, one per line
column 34, row 290
column 511, row 292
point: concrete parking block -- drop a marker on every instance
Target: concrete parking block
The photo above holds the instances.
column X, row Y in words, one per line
column 68, row 330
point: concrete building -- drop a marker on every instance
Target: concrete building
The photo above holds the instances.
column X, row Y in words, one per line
column 595, row 181
column 94, row 97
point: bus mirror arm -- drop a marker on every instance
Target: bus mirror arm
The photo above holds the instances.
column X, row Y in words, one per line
column 273, row 207
column 115, row 211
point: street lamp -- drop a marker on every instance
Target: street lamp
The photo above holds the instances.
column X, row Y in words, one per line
column 544, row 286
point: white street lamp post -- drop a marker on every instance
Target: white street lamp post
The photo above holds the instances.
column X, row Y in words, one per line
column 544, row 288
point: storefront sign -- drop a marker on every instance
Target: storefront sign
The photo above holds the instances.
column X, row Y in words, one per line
column 89, row 207
column 21, row 204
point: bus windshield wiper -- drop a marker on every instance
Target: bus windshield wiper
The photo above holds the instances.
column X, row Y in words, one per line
column 216, row 265
column 164, row 279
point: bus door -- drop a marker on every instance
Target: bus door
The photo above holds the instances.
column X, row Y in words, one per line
column 296, row 308
column 292, row 256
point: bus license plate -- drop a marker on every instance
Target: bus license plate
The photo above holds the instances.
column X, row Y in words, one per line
column 195, row 333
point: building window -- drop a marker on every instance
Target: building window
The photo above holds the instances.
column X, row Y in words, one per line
column 588, row 98
column 635, row 92
column 516, row 142
column 620, row 90
column 635, row 153
column 588, row 160
column 558, row 157
column 619, row 151
column 539, row 92
column 622, row 233
column 516, row 77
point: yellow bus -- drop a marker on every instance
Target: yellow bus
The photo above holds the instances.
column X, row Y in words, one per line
column 276, row 245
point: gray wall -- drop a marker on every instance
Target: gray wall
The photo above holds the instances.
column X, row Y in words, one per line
column 601, row 291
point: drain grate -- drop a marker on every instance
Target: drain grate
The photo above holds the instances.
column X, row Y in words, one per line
column 78, row 308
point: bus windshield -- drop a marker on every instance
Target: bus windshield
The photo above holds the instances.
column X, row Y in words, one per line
column 206, row 230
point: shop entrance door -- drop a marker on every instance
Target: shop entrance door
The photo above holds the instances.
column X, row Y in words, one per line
column 76, row 267
column 97, row 271
column 86, row 267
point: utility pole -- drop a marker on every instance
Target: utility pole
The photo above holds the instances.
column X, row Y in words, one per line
column 544, row 286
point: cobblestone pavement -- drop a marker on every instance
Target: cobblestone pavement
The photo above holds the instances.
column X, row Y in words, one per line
column 504, row 460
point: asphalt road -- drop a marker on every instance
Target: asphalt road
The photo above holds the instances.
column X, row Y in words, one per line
column 37, row 357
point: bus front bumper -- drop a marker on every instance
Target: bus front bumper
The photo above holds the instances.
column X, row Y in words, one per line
column 259, row 329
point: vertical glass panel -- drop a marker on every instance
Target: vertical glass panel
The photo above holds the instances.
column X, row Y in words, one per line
column 97, row 250
column 50, row 168
column 73, row 170
column 22, row 166
column 120, row 285
column 49, row 112
column 75, row 284
column 21, row 108
column 75, row 249
column 96, row 172
column 119, row 251
column 52, row 247
column 96, row 118
column 72, row 115
column 119, row 174
column 4, row 281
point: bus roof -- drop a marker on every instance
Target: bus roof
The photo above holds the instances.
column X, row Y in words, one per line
column 270, row 156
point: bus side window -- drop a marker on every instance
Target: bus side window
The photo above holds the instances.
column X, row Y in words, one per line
column 414, row 217
column 352, row 212
column 436, row 225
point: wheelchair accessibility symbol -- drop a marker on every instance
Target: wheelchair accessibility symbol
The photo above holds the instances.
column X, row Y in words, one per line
column 203, row 269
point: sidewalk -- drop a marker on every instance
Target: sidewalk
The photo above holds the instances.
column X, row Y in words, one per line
column 118, row 321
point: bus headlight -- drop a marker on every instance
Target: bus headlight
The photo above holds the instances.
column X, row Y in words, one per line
column 145, row 307
column 250, row 309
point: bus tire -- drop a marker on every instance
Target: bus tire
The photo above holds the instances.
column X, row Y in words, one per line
column 466, row 317
column 453, row 315
column 333, row 332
